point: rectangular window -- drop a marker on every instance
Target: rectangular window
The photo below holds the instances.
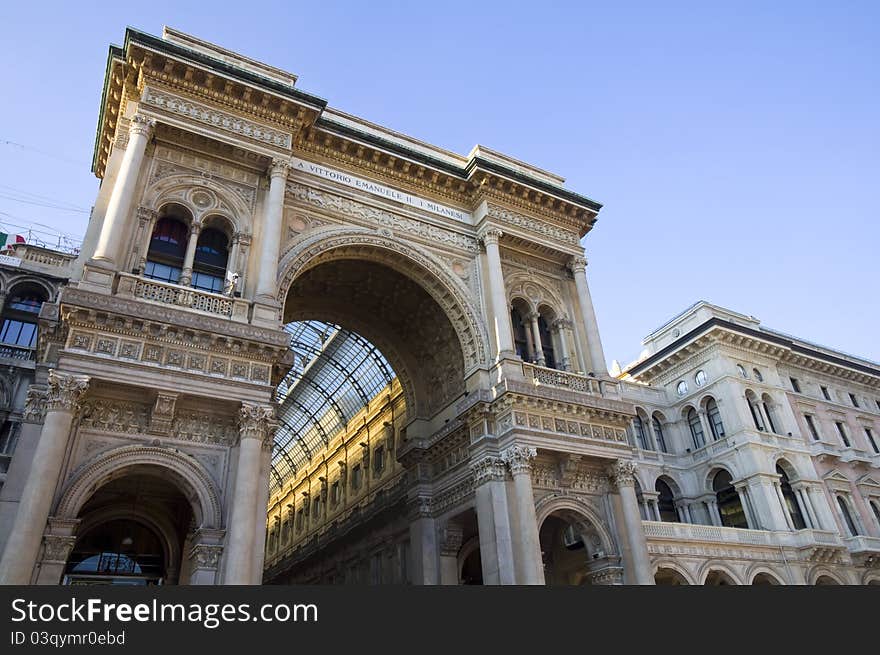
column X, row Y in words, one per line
column 334, row 493
column 854, row 400
column 842, row 431
column 870, row 435
column 205, row 282
column 18, row 333
column 162, row 272
column 795, row 385
column 825, row 393
column 812, row 425
column 379, row 459
column 356, row 476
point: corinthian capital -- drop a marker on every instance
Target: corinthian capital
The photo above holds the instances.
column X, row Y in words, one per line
column 65, row 391
column 487, row 469
column 34, row 405
column 279, row 168
column 519, row 458
column 578, row 264
column 622, row 473
column 140, row 124
column 491, row 236
column 256, row 422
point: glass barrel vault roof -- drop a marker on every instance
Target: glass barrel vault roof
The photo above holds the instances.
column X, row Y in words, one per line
column 336, row 373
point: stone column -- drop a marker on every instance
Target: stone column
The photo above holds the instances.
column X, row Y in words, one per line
column 559, row 326
column 424, row 550
column 782, row 503
column 531, row 355
column 821, row 508
column 527, row 547
column 451, row 536
column 621, row 474
column 497, row 293
column 578, row 266
column 58, row 542
column 745, row 500
column 708, row 435
column 190, row 256
column 254, row 421
column 62, row 401
column 806, row 508
column 536, row 332
column 714, row 513
column 270, row 239
column 493, row 522
column 146, row 224
column 107, row 250
column 261, row 508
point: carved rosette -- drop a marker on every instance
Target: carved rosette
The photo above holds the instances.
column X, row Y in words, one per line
column 257, row 422
column 578, row 265
column 56, row 548
column 488, row 469
column 35, row 405
column 140, row 124
column 206, row 556
column 622, row 473
column 65, row 391
column 519, row 459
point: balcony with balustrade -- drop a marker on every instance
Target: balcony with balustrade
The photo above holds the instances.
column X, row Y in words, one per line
column 182, row 297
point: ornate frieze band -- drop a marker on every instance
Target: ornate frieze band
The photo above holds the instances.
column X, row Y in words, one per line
column 215, row 118
column 489, row 468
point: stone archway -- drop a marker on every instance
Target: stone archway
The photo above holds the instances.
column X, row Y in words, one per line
column 575, row 546
column 382, row 248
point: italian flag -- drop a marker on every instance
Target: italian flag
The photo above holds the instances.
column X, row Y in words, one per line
column 9, row 240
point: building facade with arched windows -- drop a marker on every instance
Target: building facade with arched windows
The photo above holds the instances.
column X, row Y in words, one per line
column 299, row 347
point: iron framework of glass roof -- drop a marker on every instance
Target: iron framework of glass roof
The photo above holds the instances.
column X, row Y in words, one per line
column 336, row 373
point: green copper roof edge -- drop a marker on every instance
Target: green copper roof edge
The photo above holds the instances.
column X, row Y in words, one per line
column 114, row 51
column 463, row 172
column 136, row 36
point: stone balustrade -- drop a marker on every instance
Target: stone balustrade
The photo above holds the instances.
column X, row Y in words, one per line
column 657, row 530
column 20, row 353
column 37, row 258
column 562, row 379
column 134, row 286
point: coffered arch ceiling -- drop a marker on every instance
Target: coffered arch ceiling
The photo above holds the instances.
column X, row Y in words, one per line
column 355, row 325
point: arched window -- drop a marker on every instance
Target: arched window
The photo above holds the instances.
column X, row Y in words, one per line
column 665, row 502
column 167, row 249
column 520, row 340
column 875, row 507
column 767, row 404
column 658, row 434
column 791, row 504
column 715, row 423
column 696, row 428
column 19, row 327
column 546, row 342
column 755, row 409
column 847, row 517
column 211, row 257
column 729, row 504
column 757, row 374
column 639, row 432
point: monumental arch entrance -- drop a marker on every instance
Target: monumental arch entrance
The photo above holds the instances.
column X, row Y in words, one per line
column 382, row 347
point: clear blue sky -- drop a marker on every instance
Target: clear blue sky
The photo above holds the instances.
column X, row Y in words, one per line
column 735, row 148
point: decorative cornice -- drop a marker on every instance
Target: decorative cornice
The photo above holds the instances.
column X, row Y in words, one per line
column 538, row 226
column 65, row 391
column 215, row 118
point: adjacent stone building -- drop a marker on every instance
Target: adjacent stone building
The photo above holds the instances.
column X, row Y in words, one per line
column 297, row 346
